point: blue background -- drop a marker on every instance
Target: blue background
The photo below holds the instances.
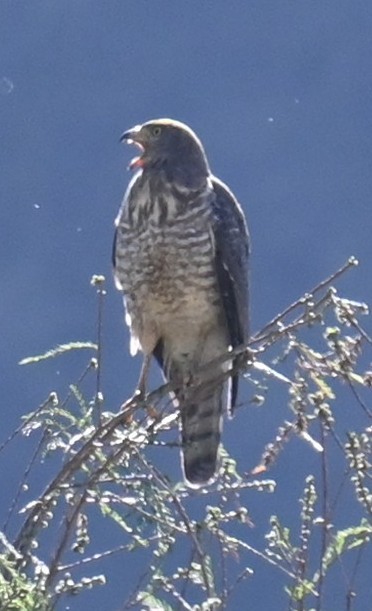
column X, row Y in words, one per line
column 281, row 95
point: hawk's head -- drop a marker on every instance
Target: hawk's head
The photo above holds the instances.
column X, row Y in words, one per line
column 169, row 145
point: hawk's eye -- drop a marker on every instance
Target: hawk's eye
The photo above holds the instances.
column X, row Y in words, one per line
column 156, row 131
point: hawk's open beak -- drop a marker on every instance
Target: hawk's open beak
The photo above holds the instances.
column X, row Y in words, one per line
column 131, row 137
column 131, row 134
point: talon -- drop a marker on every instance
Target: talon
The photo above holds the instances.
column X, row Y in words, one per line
column 152, row 412
column 128, row 418
column 139, row 393
column 128, row 412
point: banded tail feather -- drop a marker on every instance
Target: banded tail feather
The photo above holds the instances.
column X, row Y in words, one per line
column 201, row 404
column 201, row 428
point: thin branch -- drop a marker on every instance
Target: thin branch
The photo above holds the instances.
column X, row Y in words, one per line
column 68, row 523
column 99, row 282
column 49, row 402
column 189, row 526
column 100, row 555
column 359, row 399
column 325, row 515
column 24, row 479
column 302, row 301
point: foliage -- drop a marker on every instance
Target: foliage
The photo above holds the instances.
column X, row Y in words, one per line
column 197, row 543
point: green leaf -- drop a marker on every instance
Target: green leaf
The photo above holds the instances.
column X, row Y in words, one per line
column 114, row 515
column 301, row 590
column 345, row 540
column 59, row 350
column 322, row 385
column 355, row 377
column 152, row 603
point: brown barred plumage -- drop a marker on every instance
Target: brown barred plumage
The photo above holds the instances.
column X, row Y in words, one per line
column 181, row 262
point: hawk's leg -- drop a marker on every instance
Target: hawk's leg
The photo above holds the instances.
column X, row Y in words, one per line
column 142, row 380
column 141, row 386
column 140, row 391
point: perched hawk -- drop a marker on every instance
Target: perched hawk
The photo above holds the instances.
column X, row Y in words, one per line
column 181, row 262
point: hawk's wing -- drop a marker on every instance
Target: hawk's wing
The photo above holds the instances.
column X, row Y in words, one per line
column 231, row 253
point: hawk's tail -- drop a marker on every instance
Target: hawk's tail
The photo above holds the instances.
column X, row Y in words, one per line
column 201, row 424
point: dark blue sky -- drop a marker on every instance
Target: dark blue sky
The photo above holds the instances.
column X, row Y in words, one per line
column 279, row 92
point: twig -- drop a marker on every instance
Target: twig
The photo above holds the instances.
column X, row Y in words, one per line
column 351, row 262
column 325, row 516
column 99, row 282
column 187, row 522
column 49, row 402
column 69, row 523
column 23, row 481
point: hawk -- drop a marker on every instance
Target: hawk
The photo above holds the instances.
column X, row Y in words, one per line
column 181, row 262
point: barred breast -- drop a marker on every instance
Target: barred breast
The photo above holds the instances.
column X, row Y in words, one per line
column 164, row 262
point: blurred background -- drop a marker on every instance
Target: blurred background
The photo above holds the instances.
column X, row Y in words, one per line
column 281, row 96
